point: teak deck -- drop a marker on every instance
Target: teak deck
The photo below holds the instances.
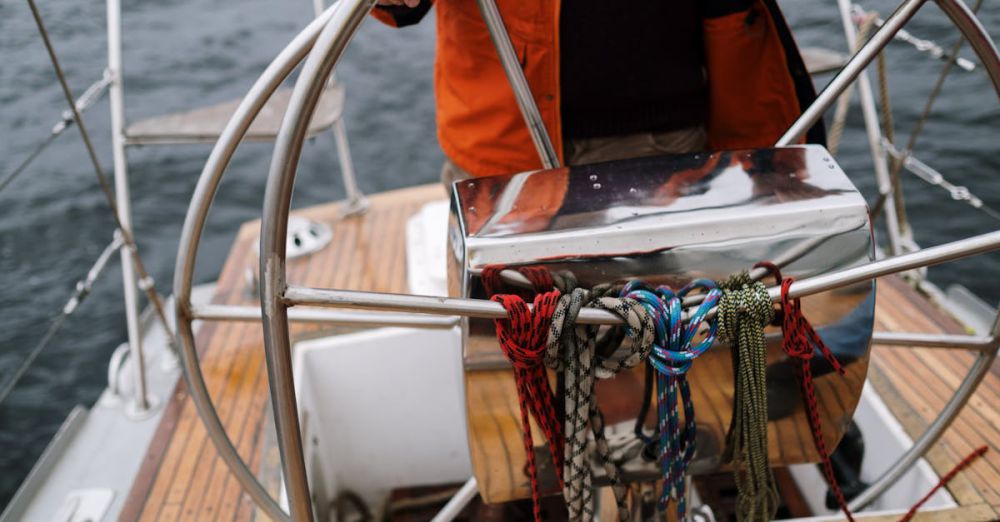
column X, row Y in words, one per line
column 182, row 477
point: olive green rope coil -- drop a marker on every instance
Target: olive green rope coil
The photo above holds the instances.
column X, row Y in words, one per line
column 744, row 311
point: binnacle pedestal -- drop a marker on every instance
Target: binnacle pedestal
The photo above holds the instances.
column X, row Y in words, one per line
column 667, row 220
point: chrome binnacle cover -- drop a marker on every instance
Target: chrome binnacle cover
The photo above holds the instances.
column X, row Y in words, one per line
column 668, row 220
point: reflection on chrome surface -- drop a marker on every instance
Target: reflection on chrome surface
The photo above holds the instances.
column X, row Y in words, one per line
column 668, row 220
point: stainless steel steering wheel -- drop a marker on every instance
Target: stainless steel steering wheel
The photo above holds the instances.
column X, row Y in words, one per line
column 324, row 41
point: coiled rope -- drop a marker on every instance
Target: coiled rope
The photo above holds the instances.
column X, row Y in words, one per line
column 522, row 337
column 672, row 357
column 744, row 310
column 549, row 336
column 581, row 356
column 575, row 351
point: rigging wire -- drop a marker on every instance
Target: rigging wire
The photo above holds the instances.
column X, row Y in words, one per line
column 932, row 177
column 903, row 158
column 83, row 288
column 145, row 281
column 867, row 22
column 922, row 45
column 17, row 171
column 889, row 134
column 935, row 92
column 91, row 95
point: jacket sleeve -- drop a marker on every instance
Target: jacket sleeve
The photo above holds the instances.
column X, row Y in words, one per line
column 400, row 15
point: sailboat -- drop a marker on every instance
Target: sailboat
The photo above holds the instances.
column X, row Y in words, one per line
column 345, row 364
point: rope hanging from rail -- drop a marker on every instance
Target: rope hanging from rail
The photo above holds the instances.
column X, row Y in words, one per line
column 577, row 351
column 549, row 336
column 800, row 342
column 744, row 310
column 672, row 356
column 844, row 101
column 522, row 338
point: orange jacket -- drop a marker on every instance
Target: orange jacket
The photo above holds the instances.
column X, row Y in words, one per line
column 757, row 81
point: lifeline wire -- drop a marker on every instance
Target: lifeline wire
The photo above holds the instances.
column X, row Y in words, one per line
column 952, row 58
column 744, row 310
column 86, row 99
column 21, row 167
column 145, row 281
column 900, row 157
column 81, row 292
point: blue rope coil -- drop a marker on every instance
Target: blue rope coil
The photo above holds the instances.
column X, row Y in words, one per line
column 672, row 356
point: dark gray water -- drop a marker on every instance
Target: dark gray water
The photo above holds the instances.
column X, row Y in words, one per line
column 185, row 53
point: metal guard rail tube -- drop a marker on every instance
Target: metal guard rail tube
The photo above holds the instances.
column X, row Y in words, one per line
column 980, row 367
column 519, row 84
column 894, row 228
column 979, row 343
column 845, row 78
column 277, row 202
column 490, row 310
column 982, row 44
column 327, row 50
column 325, row 316
column 194, row 225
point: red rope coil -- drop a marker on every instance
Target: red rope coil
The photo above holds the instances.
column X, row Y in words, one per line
column 800, row 342
column 523, row 340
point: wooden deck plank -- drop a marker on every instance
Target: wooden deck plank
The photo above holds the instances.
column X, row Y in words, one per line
column 186, row 474
column 915, row 394
column 972, row 428
column 201, row 485
column 163, row 490
column 927, row 404
column 239, row 426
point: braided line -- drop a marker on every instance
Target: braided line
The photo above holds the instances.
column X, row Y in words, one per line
column 800, row 342
column 966, row 462
column 672, row 356
column 576, row 355
column 522, row 338
column 744, row 310
column 541, row 279
column 640, row 333
column 577, row 351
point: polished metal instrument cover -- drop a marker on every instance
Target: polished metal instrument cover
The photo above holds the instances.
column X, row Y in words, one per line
column 668, row 220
